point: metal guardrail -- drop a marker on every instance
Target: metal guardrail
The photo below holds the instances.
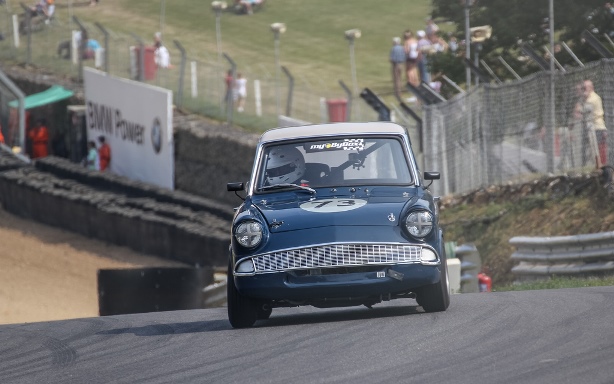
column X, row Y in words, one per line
column 543, row 257
column 471, row 264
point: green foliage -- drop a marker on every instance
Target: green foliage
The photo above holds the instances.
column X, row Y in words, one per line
column 559, row 282
column 527, row 21
column 490, row 226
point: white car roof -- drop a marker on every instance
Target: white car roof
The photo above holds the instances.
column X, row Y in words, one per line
column 332, row 129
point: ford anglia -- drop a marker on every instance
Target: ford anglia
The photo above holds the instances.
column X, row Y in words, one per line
column 335, row 215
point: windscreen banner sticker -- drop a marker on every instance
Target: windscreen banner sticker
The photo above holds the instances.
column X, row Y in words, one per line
column 332, row 205
column 336, row 145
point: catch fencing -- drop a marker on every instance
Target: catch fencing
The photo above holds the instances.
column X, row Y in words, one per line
column 196, row 79
column 502, row 132
column 579, row 255
column 492, row 134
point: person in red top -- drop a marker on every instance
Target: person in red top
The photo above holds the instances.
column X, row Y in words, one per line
column 104, row 153
column 40, row 139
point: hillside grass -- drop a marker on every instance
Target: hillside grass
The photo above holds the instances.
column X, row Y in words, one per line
column 490, row 226
column 313, row 48
column 559, row 282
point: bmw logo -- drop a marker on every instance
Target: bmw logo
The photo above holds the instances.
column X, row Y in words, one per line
column 156, row 135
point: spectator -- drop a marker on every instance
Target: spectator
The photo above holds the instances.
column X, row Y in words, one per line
column 397, row 58
column 39, row 136
column 240, row 92
column 592, row 113
column 92, row 161
column 162, row 57
column 453, row 44
column 431, row 28
column 412, row 55
column 38, row 9
column 424, row 46
column 49, row 10
column 438, row 44
column 91, row 46
column 104, row 153
column 1, row 136
column 248, row 5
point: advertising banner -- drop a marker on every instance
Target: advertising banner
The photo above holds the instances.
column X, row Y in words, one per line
column 136, row 120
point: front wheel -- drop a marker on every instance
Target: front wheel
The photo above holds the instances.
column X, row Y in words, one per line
column 435, row 297
column 242, row 311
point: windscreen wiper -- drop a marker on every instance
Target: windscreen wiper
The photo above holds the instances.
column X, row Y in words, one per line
column 288, row 186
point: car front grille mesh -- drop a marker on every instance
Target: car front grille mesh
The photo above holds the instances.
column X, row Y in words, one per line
column 337, row 255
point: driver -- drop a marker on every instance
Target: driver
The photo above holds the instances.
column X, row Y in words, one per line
column 285, row 165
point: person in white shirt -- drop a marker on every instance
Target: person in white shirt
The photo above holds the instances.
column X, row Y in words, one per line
column 162, row 58
column 240, row 92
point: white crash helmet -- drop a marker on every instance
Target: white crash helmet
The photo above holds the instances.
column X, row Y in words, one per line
column 285, row 165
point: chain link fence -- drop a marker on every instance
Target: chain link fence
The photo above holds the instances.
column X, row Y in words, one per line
column 499, row 133
column 489, row 135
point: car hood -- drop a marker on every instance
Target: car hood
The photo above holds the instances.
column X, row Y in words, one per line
column 296, row 211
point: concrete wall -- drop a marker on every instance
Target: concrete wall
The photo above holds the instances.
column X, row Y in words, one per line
column 208, row 156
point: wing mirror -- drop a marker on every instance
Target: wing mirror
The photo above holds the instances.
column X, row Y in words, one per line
column 236, row 187
column 431, row 176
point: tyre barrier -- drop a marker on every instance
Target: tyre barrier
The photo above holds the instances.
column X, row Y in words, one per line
column 110, row 182
column 540, row 258
column 143, row 224
column 125, row 291
column 8, row 160
column 471, row 264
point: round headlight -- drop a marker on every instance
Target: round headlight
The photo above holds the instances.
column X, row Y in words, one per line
column 419, row 224
column 249, row 234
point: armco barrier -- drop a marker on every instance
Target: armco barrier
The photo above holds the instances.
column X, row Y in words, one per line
column 578, row 255
column 471, row 264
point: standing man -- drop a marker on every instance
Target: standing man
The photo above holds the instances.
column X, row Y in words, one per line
column 424, row 46
column 592, row 113
column 397, row 59
column 92, row 161
column 39, row 135
column 104, row 153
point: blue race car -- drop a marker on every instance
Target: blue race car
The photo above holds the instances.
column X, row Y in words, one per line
column 335, row 215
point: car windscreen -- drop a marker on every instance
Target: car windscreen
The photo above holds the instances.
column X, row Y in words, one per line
column 334, row 162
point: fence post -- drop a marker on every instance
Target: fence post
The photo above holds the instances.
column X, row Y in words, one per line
column 141, row 69
column 181, row 72
column 470, row 267
column 229, row 98
column 106, row 45
column 82, row 43
column 290, row 90
column 28, row 21
column 348, row 111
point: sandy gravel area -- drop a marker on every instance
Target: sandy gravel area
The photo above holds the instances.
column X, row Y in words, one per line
column 48, row 273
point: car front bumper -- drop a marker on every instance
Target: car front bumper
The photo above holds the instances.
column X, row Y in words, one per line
column 344, row 283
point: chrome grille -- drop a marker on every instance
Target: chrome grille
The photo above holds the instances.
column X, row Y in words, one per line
column 337, row 255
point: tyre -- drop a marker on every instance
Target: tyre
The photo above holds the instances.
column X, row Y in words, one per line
column 242, row 311
column 436, row 297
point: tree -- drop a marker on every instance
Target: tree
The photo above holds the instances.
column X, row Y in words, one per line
column 515, row 22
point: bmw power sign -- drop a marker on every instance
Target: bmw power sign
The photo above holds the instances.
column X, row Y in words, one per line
column 136, row 120
column 156, row 135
